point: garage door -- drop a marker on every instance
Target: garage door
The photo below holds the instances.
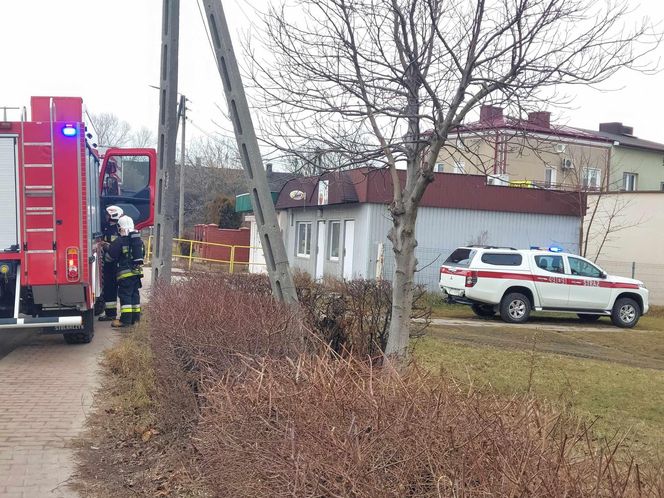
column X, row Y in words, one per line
column 9, row 212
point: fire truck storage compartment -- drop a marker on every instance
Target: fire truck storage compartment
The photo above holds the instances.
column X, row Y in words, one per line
column 9, row 212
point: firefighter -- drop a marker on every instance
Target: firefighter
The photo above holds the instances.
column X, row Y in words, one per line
column 128, row 251
column 110, row 287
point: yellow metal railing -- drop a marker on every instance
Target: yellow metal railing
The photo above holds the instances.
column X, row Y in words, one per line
column 195, row 246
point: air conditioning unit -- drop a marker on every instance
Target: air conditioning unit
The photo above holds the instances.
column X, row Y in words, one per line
column 567, row 163
column 500, row 180
column 560, row 148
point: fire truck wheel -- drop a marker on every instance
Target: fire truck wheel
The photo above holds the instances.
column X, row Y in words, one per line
column 85, row 335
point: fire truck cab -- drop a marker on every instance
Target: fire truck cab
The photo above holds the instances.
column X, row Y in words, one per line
column 54, row 190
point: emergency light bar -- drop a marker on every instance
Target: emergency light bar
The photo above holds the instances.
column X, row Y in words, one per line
column 69, row 130
column 550, row 248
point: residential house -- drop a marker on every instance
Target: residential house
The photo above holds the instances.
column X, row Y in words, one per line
column 530, row 151
column 536, row 152
column 636, row 164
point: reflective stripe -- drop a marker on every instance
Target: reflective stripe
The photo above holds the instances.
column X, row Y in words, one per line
column 113, row 305
column 137, row 309
column 127, row 307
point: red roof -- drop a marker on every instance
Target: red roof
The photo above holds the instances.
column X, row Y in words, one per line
column 448, row 190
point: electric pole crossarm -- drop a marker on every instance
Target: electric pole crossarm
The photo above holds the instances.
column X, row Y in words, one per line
column 276, row 257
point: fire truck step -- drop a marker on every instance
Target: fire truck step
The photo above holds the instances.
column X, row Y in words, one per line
column 25, row 323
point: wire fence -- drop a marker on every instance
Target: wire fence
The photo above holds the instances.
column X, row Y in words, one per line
column 430, row 259
column 652, row 275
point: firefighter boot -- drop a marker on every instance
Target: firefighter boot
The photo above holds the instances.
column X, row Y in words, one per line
column 117, row 324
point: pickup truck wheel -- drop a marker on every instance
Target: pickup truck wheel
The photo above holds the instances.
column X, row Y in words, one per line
column 626, row 313
column 84, row 335
column 588, row 318
column 515, row 308
column 483, row 310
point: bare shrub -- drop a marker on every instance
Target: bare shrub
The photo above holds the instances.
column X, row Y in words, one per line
column 317, row 426
column 201, row 327
column 353, row 316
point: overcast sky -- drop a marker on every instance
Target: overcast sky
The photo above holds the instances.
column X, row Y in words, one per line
column 108, row 53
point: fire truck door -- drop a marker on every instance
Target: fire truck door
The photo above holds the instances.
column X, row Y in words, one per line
column 127, row 180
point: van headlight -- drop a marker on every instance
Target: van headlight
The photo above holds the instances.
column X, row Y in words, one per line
column 642, row 285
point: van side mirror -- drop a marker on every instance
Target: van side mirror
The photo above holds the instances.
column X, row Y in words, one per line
column 604, row 275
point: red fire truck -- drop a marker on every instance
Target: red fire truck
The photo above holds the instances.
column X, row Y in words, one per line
column 53, row 196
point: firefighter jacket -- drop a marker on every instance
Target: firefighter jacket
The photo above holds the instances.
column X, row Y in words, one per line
column 109, row 234
column 128, row 252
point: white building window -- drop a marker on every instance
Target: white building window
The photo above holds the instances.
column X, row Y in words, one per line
column 591, row 178
column 439, row 168
column 459, row 167
column 550, row 177
column 629, row 181
column 303, row 241
column 333, row 237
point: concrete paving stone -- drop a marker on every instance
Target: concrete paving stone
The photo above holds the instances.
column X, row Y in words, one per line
column 43, row 410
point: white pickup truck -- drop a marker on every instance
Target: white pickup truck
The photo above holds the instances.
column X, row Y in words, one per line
column 514, row 282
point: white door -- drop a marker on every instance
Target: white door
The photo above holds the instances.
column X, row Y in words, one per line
column 588, row 290
column 550, row 281
column 320, row 250
column 9, row 212
column 349, row 240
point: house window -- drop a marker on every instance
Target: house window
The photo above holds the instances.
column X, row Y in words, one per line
column 459, row 167
column 629, row 181
column 550, row 177
column 591, row 178
column 303, row 242
column 333, row 236
column 439, row 168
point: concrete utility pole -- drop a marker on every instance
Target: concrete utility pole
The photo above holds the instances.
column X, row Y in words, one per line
column 276, row 257
column 183, row 116
column 168, row 125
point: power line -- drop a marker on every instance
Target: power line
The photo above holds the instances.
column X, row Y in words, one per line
column 207, row 33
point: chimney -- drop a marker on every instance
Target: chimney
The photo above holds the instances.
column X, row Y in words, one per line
column 491, row 113
column 616, row 128
column 541, row 118
column 268, row 169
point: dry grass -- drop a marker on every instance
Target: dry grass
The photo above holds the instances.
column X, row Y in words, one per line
column 123, row 452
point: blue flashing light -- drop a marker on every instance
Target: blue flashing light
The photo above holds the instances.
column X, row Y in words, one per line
column 556, row 249
column 69, row 131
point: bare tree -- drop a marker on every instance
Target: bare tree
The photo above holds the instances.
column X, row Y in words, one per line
column 143, row 138
column 111, row 131
column 389, row 80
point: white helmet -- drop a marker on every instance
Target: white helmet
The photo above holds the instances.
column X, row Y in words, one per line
column 114, row 212
column 126, row 225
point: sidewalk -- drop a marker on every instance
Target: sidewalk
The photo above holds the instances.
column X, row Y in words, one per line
column 46, row 391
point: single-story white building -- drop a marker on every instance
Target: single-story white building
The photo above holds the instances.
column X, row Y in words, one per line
column 337, row 224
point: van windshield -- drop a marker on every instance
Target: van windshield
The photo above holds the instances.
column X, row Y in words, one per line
column 460, row 257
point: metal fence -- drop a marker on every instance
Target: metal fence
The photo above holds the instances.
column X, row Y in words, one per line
column 189, row 253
